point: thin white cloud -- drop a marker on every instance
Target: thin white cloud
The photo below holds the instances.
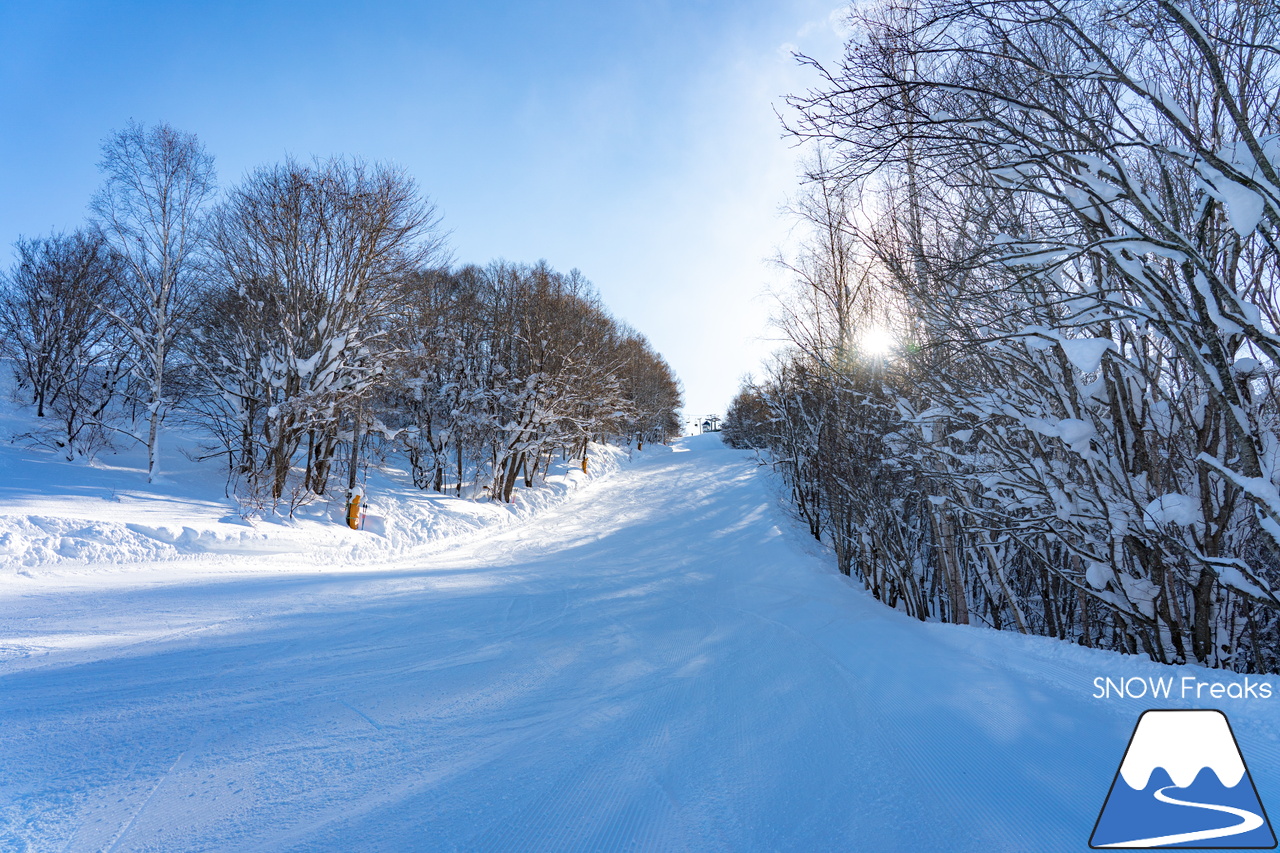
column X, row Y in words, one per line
column 835, row 22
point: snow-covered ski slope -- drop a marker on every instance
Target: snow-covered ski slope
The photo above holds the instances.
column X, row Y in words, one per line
column 660, row 663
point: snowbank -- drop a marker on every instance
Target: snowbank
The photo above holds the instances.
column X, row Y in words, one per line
column 75, row 517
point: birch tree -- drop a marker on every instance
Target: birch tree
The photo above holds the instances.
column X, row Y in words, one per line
column 158, row 183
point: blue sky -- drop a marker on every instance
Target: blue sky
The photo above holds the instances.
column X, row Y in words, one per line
column 633, row 140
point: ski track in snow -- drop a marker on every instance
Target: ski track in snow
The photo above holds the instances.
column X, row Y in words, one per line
column 661, row 663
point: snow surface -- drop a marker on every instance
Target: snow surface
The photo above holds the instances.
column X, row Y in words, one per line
column 73, row 517
column 663, row 661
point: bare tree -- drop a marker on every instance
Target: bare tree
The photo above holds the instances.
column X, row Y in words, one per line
column 312, row 261
column 504, row 366
column 1076, row 205
column 158, row 182
column 66, row 354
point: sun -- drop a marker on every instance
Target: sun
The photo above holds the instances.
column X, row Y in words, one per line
column 876, row 341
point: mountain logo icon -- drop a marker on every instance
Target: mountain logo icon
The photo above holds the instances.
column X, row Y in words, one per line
column 1183, row 783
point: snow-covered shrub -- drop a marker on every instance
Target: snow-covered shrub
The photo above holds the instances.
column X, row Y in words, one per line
column 1074, row 211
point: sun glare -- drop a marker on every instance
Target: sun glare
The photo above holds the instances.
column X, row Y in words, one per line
column 876, row 341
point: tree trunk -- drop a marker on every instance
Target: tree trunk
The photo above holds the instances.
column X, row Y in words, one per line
column 1202, row 635
column 947, row 564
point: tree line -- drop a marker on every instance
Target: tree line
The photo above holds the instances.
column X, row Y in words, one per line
column 1068, row 213
column 307, row 321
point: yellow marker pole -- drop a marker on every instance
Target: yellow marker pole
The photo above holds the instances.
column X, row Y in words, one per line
column 353, row 512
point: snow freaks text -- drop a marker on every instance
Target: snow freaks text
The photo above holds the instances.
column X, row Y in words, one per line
column 1187, row 687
